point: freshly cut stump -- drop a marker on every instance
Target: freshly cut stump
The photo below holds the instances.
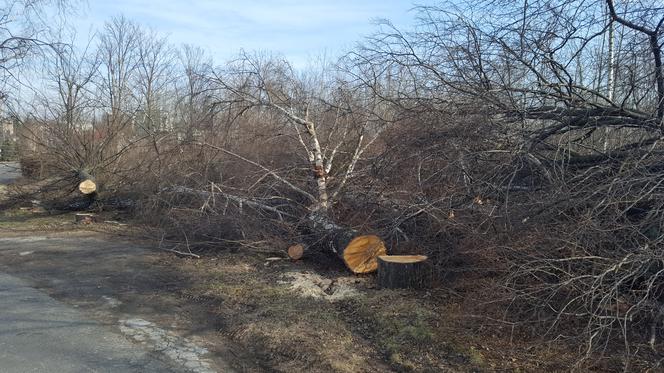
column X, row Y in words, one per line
column 86, row 218
column 296, row 252
column 362, row 252
column 402, row 271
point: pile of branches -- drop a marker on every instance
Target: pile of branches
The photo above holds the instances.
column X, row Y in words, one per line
column 518, row 140
column 555, row 179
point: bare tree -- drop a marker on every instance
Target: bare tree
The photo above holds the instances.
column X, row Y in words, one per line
column 23, row 30
column 192, row 103
column 532, row 76
column 324, row 120
column 155, row 77
column 24, row 34
column 650, row 25
column 68, row 103
column 119, row 46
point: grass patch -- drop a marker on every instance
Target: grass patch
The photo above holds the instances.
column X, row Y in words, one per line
column 289, row 332
column 404, row 330
column 382, row 329
column 26, row 219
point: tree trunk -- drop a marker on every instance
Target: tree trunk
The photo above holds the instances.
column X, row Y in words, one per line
column 87, row 184
column 86, row 218
column 402, row 271
column 359, row 252
column 296, row 252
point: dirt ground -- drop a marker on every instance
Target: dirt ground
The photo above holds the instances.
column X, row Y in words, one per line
column 261, row 312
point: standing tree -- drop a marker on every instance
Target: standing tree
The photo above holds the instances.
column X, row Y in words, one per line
column 193, row 110
column 155, row 76
column 24, row 32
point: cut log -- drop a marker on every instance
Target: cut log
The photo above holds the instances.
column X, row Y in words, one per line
column 360, row 253
column 402, row 271
column 87, row 187
column 296, row 252
column 87, row 184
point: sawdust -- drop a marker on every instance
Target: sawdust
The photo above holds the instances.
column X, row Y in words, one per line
column 308, row 284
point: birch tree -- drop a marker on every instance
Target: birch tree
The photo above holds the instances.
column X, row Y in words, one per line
column 324, row 121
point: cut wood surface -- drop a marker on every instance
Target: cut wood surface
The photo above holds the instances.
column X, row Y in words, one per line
column 296, row 252
column 87, row 186
column 402, row 271
column 361, row 253
column 403, row 258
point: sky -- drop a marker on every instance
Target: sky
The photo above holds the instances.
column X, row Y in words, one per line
column 298, row 29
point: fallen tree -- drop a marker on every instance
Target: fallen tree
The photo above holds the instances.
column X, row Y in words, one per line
column 331, row 135
column 87, row 184
column 358, row 251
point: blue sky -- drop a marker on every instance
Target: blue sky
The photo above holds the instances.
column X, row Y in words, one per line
column 298, row 29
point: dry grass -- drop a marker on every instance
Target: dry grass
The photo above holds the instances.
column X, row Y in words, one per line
column 28, row 219
column 253, row 303
column 379, row 330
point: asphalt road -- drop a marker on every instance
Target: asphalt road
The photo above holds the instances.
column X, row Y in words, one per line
column 9, row 171
column 42, row 335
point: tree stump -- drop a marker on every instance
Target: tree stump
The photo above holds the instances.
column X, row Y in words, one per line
column 402, row 271
column 86, row 218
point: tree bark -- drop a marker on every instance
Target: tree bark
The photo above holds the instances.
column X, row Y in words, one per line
column 358, row 251
column 402, row 271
